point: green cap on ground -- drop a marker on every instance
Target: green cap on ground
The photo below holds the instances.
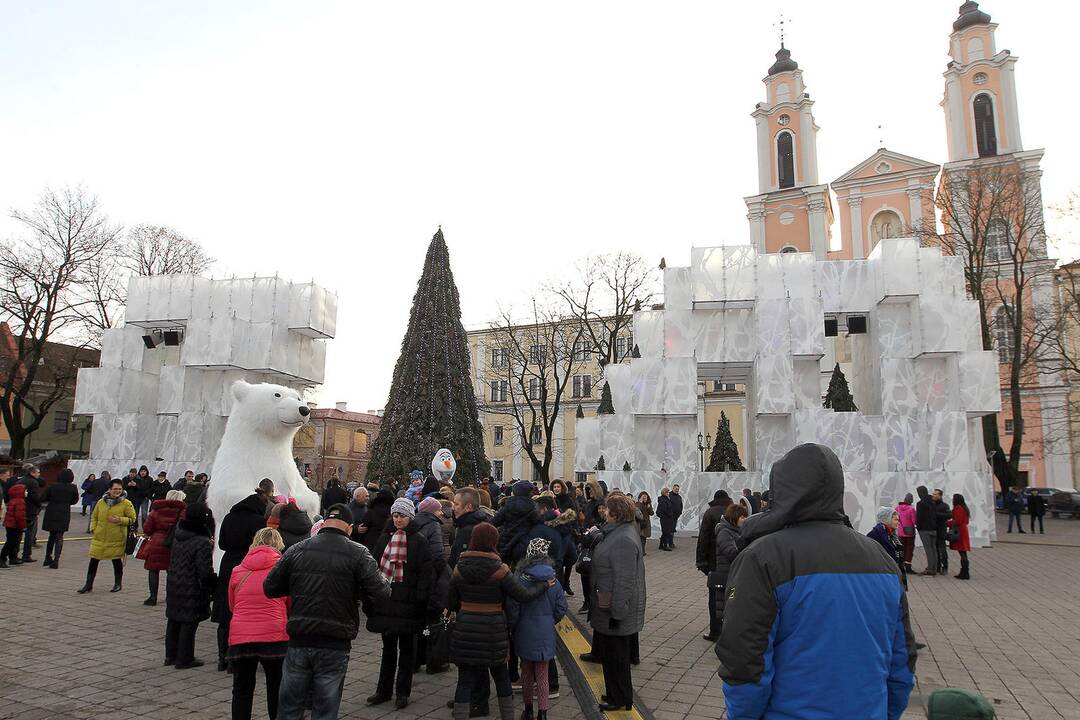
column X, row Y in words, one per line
column 959, row 704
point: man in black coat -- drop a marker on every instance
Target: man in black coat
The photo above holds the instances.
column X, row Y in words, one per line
column 706, row 552
column 667, row 519
column 358, row 508
column 378, row 514
column 676, row 513
column 234, row 538
column 30, row 478
column 334, row 494
column 926, row 524
column 942, row 514
column 322, row 625
column 58, row 499
column 1036, row 509
column 467, row 515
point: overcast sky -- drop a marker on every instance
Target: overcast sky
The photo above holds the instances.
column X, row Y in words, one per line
column 329, row 140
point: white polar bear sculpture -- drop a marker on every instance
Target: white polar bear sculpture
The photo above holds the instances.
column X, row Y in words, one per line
column 257, row 444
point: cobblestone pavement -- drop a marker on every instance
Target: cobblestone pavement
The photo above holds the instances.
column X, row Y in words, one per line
column 1012, row 632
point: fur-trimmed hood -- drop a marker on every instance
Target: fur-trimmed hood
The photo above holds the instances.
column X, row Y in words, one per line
column 567, row 517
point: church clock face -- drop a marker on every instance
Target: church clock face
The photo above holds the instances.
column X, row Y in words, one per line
column 784, row 119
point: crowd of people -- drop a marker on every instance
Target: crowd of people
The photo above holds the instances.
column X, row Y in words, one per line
column 478, row 577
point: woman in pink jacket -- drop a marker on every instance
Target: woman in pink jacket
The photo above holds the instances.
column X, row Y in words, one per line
column 257, row 629
column 905, row 529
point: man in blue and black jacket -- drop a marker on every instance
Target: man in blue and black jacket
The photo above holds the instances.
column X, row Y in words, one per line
column 816, row 619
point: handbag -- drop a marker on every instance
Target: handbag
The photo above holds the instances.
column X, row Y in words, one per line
column 139, row 545
column 132, row 540
column 438, row 643
column 953, row 535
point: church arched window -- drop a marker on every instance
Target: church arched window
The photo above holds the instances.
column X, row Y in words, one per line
column 998, row 241
column 886, row 224
column 789, row 249
column 785, row 161
column 1003, row 333
column 985, row 133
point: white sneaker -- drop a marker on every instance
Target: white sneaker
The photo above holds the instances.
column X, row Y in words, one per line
column 552, row 694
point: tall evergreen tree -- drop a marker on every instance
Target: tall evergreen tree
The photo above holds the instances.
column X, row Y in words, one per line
column 725, row 453
column 839, row 397
column 431, row 403
column 606, row 407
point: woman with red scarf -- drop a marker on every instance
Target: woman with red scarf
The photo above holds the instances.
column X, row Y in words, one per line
column 405, row 560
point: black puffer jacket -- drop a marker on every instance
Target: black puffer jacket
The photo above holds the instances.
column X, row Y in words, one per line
column 334, row 495
column 514, row 520
column 190, row 580
column 295, row 526
column 378, row 514
column 238, row 529
column 706, row 543
column 925, row 512
column 727, row 547
column 327, row 577
column 479, row 585
column 59, row 497
column 404, row 611
column 464, row 526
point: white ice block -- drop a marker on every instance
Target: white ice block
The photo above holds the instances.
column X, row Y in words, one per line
column 165, row 436
column 127, row 436
column 897, row 260
column 137, row 307
column 903, row 443
column 212, row 429
column 680, row 386
column 678, row 333
column 112, row 348
column 620, row 380
column 936, row 383
column 241, row 295
column 774, row 436
column 103, row 439
column 97, row 390
column 189, row 430
column 806, row 383
column 978, row 382
column 181, row 294
column 647, row 394
column 898, row 387
column 678, row 289
column 171, row 390
column 773, row 384
column 947, row 441
column 807, row 327
column 707, row 273
column 773, row 330
column 616, row 440
column 846, row 286
column 648, row 443
column 195, row 350
column 312, row 311
column 724, row 336
column 649, row 333
column 740, row 273
column 942, row 324
column 892, row 329
column 138, row 392
column 587, row 444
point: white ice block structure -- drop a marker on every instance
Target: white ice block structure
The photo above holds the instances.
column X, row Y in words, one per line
column 921, row 375
column 165, row 407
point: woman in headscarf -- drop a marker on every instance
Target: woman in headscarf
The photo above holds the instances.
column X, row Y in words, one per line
column 405, row 560
column 885, row 533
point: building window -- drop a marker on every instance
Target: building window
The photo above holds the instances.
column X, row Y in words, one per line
column 499, row 357
column 534, row 388
column 582, row 351
column 536, row 437
column 985, row 134
column 498, row 390
column 886, row 224
column 498, row 431
column 719, row 386
column 1010, row 426
column 980, row 79
column 360, row 441
column 623, row 347
column 581, row 477
column 582, row 386
column 785, row 161
column 537, row 354
column 998, row 241
column 1003, row 333
column 61, row 422
column 789, row 249
column 342, row 440
column 305, row 437
column 497, row 470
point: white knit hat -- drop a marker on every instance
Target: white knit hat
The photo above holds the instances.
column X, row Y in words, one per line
column 403, row 506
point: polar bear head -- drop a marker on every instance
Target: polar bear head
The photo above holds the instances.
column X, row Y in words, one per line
column 273, row 411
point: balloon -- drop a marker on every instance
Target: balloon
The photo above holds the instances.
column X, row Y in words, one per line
column 443, row 465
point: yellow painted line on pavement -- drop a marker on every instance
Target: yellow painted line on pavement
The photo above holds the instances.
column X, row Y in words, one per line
column 577, row 644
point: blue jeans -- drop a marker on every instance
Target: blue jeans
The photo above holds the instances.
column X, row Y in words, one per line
column 317, row 672
column 1019, row 522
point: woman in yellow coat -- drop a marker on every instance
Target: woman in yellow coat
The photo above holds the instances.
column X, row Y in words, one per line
column 109, row 523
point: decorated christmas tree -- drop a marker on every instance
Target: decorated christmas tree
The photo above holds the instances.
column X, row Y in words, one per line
column 606, row 408
column 431, row 403
column 839, row 397
column 725, row 453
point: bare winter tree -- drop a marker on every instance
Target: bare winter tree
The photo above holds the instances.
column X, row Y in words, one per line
column 43, row 303
column 992, row 214
column 158, row 250
column 603, row 296
column 532, row 364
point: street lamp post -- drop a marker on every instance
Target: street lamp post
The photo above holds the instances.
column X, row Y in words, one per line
column 704, row 442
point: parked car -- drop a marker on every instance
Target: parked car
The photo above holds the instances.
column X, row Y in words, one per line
column 1065, row 502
